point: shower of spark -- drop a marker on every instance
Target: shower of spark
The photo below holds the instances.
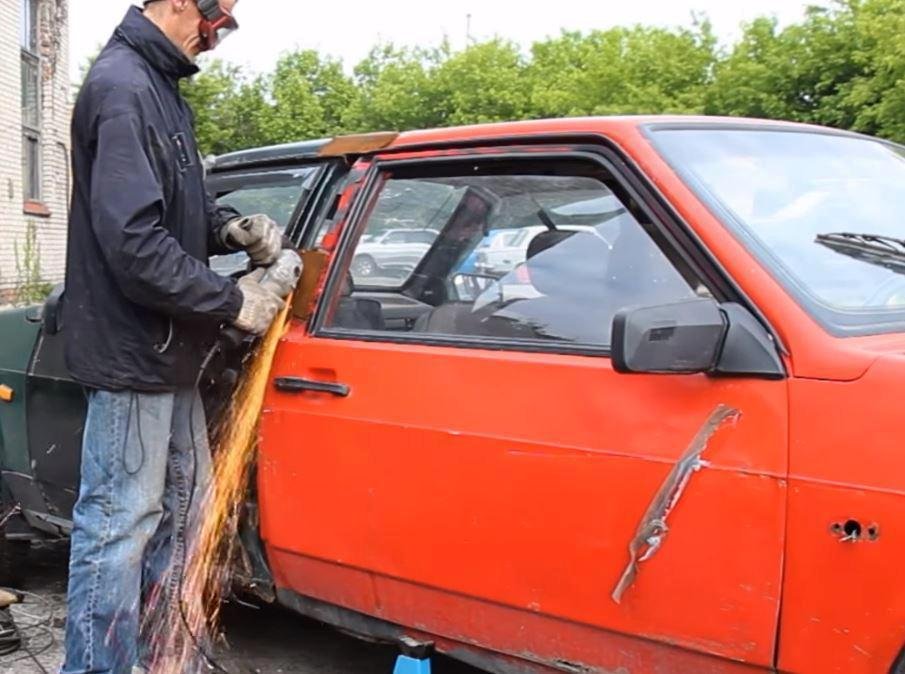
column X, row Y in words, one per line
column 184, row 626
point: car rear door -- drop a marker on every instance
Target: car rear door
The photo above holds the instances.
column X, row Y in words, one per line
column 476, row 470
column 56, row 405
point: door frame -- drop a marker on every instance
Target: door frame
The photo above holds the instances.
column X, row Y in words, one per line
column 676, row 236
column 671, row 233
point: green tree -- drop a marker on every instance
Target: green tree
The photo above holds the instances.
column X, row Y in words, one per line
column 876, row 95
column 397, row 90
column 310, row 95
column 801, row 73
column 487, row 82
column 623, row 70
column 231, row 111
column 85, row 67
column 251, row 112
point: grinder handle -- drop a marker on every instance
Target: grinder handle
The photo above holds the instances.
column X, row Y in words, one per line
column 232, row 337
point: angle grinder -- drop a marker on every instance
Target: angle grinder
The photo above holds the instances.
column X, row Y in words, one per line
column 282, row 274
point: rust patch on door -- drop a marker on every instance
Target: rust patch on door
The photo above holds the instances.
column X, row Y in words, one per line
column 653, row 528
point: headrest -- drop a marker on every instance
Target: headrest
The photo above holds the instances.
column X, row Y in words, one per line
column 567, row 263
column 545, row 240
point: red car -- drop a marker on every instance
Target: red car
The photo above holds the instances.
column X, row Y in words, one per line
column 680, row 452
column 666, row 441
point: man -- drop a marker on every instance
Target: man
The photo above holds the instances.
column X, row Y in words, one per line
column 141, row 310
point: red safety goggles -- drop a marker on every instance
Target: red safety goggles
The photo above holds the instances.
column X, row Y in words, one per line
column 216, row 23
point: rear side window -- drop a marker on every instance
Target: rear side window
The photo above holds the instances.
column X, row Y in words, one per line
column 516, row 257
column 275, row 193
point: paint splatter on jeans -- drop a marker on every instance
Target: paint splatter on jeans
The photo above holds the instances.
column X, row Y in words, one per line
column 142, row 455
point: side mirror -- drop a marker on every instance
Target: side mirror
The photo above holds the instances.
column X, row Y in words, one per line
column 685, row 337
column 692, row 337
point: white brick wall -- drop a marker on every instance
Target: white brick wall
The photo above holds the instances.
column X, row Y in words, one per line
column 55, row 117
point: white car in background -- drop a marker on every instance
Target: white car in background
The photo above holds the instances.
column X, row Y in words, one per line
column 398, row 250
column 505, row 250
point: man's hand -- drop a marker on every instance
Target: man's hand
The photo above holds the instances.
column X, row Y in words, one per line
column 260, row 305
column 257, row 235
column 283, row 275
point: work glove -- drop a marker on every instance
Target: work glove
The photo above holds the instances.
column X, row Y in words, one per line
column 257, row 235
column 282, row 276
column 260, row 304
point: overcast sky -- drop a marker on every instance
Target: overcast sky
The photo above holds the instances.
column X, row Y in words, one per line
column 348, row 28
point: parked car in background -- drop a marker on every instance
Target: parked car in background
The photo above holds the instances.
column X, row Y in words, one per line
column 668, row 440
column 395, row 251
column 507, row 251
column 494, row 240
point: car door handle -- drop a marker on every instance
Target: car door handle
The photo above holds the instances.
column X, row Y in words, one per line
column 299, row 385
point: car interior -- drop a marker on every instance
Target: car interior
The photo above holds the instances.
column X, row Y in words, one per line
column 567, row 286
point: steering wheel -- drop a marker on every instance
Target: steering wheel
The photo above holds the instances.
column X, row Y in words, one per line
column 887, row 291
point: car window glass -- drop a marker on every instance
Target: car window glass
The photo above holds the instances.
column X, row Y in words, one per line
column 400, row 231
column 520, row 257
column 421, row 237
column 822, row 211
column 273, row 193
column 515, row 238
column 277, row 201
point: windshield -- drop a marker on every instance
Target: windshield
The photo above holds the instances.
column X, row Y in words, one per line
column 781, row 190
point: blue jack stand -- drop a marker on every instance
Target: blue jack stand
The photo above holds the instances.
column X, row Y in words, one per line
column 415, row 657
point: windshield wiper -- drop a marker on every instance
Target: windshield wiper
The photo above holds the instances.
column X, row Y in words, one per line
column 884, row 251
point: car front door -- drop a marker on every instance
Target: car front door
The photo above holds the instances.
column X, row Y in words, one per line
column 478, row 471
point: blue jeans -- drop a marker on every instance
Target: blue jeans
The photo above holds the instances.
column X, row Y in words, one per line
column 141, row 456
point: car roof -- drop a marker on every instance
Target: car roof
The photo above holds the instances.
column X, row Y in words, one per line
column 270, row 154
column 615, row 126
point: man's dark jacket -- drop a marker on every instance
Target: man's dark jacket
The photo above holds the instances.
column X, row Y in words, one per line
column 141, row 304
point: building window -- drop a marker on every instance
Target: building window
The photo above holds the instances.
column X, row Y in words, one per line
column 31, row 92
column 31, row 102
column 31, row 166
column 29, row 36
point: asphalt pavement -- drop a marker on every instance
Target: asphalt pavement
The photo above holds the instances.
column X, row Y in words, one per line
column 265, row 640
